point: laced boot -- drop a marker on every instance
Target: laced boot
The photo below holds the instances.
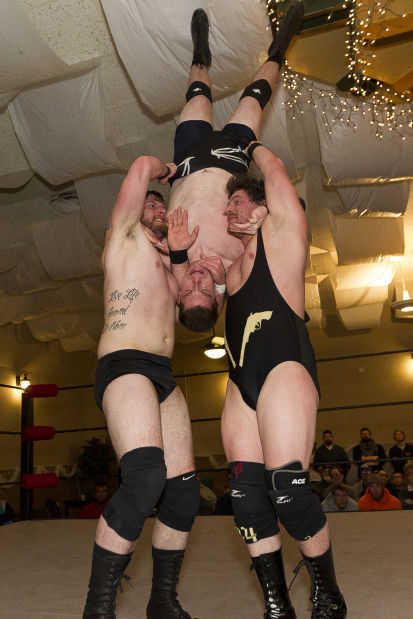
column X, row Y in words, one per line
column 270, row 572
column 288, row 28
column 163, row 603
column 105, row 578
column 328, row 602
column 200, row 35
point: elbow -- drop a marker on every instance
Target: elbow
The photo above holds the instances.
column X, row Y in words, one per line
column 141, row 165
column 141, row 169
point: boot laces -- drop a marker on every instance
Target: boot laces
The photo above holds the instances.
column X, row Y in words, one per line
column 321, row 599
column 128, row 580
column 115, row 584
column 274, row 610
column 274, row 603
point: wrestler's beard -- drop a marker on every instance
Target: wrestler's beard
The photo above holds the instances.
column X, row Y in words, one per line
column 159, row 229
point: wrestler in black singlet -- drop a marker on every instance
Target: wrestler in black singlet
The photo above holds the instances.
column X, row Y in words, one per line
column 262, row 331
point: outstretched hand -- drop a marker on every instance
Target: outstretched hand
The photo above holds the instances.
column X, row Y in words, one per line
column 172, row 170
column 179, row 236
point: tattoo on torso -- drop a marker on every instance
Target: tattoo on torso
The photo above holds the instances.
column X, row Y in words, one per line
column 119, row 303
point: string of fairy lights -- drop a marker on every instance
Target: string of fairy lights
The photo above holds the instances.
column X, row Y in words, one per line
column 368, row 99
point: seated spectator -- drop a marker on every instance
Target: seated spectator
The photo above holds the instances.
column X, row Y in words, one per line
column 330, row 453
column 337, row 479
column 385, row 478
column 100, row 500
column 6, row 512
column 360, row 487
column 377, row 497
column 369, row 451
column 339, row 501
column 317, row 481
column 400, row 449
column 396, row 484
column 406, row 494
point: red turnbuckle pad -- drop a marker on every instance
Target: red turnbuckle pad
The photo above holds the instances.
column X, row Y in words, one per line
column 38, row 433
column 41, row 391
column 41, row 480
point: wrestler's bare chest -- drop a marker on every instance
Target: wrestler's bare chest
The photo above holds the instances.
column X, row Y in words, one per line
column 203, row 194
column 139, row 301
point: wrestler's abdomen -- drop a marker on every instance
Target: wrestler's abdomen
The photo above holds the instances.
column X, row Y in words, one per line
column 139, row 309
column 203, row 194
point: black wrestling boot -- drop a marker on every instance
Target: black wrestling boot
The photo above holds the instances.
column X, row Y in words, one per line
column 107, row 570
column 288, row 28
column 163, row 603
column 328, row 602
column 270, row 572
column 200, row 34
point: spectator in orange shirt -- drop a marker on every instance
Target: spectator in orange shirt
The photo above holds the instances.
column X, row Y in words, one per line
column 377, row 497
column 100, row 500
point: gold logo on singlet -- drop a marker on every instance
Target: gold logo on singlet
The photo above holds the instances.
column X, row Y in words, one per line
column 253, row 323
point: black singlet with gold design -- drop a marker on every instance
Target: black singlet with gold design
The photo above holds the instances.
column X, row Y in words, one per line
column 262, row 331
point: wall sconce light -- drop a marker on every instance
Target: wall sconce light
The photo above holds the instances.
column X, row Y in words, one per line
column 22, row 381
column 405, row 304
column 216, row 349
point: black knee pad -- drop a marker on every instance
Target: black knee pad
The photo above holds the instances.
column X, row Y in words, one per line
column 298, row 509
column 143, row 480
column 253, row 513
column 260, row 90
column 198, row 88
column 179, row 502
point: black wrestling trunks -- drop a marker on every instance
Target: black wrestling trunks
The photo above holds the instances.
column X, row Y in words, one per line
column 198, row 146
column 131, row 361
column 262, row 331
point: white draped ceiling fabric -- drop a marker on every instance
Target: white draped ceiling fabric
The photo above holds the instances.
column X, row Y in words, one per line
column 152, row 31
column 80, row 115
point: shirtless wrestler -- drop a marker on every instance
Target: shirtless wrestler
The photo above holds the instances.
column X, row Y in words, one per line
column 146, row 412
column 273, row 390
column 205, row 160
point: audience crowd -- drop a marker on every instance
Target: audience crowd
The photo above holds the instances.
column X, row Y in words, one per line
column 373, row 490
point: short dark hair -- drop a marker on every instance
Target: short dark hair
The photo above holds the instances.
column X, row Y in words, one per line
column 402, row 431
column 362, row 429
column 157, row 194
column 254, row 187
column 327, row 432
column 199, row 318
column 100, row 482
column 341, row 487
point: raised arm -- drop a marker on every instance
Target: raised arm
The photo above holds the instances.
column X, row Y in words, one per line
column 282, row 199
column 130, row 202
